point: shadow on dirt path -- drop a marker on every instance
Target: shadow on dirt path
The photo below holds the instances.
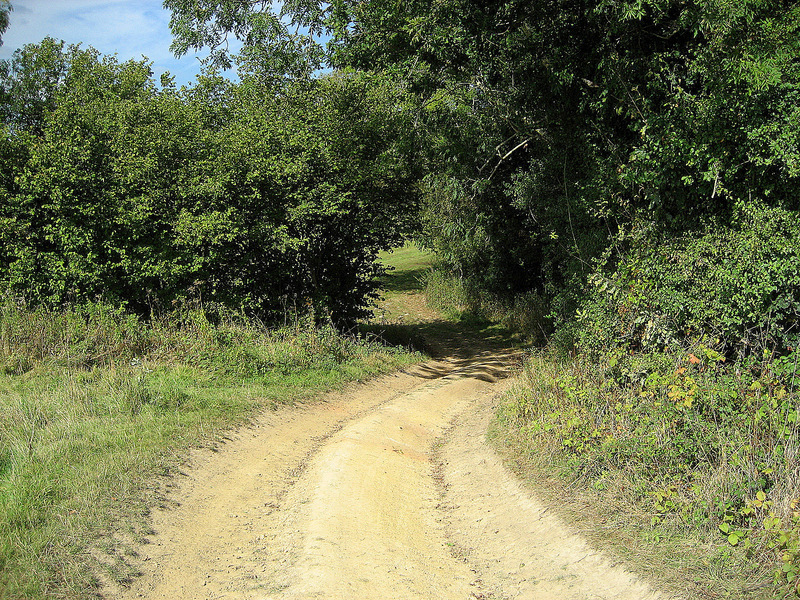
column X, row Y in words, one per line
column 386, row 490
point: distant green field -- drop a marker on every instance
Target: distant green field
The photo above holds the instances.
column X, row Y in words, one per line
column 408, row 266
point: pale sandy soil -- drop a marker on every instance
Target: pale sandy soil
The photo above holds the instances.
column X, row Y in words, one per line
column 387, row 490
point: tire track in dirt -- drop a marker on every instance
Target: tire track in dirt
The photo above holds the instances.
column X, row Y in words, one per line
column 385, row 491
column 209, row 543
column 365, row 518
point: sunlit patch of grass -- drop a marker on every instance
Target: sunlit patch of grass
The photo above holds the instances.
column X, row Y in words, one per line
column 402, row 302
column 407, row 267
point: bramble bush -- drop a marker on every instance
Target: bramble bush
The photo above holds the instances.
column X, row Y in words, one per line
column 737, row 287
column 701, row 444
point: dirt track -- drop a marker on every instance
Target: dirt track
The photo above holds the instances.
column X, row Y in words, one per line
column 347, row 499
column 385, row 491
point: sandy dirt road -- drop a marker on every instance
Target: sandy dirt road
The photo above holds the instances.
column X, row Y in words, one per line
column 387, row 490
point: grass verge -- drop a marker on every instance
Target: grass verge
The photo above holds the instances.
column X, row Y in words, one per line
column 96, row 404
column 462, row 302
column 407, row 268
column 684, row 466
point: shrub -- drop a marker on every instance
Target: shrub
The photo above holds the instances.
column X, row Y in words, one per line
column 700, row 445
column 228, row 193
column 737, row 287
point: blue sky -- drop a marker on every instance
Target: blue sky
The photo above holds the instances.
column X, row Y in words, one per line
column 128, row 28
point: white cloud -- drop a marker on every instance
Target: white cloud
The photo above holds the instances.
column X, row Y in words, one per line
column 128, row 28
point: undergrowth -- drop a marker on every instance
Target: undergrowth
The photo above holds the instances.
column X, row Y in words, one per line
column 94, row 403
column 695, row 447
column 523, row 314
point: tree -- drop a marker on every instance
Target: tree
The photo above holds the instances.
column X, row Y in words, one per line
column 5, row 9
column 491, row 102
column 258, row 198
column 558, row 124
column 29, row 84
column 287, row 39
column 319, row 171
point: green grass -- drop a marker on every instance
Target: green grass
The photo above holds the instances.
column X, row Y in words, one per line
column 397, row 321
column 407, row 268
column 95, row 405
column 411, row 316
column 523, row 315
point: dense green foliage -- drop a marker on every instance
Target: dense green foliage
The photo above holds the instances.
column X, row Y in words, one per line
column 696, row 461
column 261, row 198
column 564, row 123
column 5, row 8
column 628, row 168
column 735, row 287
column 552, row 128
column 552, row 144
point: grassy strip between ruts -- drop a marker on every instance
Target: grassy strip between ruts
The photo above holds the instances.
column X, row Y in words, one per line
column 95, row 404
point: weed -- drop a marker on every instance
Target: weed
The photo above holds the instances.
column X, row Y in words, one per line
column 709, row 449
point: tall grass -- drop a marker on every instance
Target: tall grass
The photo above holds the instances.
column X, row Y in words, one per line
column 94, row 403
column 95, row 335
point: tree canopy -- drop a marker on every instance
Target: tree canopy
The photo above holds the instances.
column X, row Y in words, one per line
column 5, row 8
column 565, row 115
column 258, row 198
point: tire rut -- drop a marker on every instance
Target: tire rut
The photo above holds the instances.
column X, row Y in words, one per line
column 385, row 491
